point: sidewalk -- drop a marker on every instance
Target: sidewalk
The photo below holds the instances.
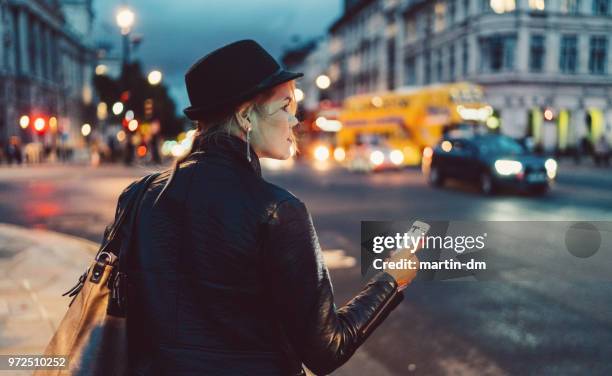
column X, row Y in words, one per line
column 37, row 266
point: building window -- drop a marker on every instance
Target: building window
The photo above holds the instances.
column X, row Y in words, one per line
column 497, row 53
column 536, row 53
column 465, row 57
column 421, row 26
column 570, row 6
column 451, row 63
column 502, row 6
column 601, row 7
column 598, row 55
column 439, row 66
column 452, row 11
column 427, row 67
column 32, row 46
column 15, row 38
column 440, row 14
column 466, row 8
column 410, row 71
column 391, row 64
column 45, row 53
column 569, row 54
column 537, row 4
column 411, row 29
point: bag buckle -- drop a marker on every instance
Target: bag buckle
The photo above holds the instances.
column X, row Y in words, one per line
column 109, row 258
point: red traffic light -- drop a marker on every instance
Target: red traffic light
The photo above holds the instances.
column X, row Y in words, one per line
column 141, row 151
column 39, row 124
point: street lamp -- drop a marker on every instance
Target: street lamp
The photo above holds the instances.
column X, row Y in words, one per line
column 133, row 125
column 24, row 121
column 125, row 20
column 117, row 108
column 86, row 129
column 323, row 82
column 101, row 69
column 53, row 123
column 154, row 77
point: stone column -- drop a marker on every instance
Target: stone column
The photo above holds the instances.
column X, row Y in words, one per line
column 609, row 54
column 36, row 60
column 608, row 121
column 551, row 53
column 583, row 53
column 577, row 126
column 47, row 57
column 522, row 50
column 473, row 56
column 586, row 7
column 22, row 42
column 400, row 28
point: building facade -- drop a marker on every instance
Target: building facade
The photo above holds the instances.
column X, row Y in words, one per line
column 46, row 65
column 312, row 59
column 545, row 65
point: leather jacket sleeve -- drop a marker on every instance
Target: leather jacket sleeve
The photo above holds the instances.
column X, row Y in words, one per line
column 323, row 336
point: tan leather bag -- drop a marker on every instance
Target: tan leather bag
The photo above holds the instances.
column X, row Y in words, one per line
column 93, row 332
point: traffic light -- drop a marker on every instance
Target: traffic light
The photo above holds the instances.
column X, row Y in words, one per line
column 40, row 125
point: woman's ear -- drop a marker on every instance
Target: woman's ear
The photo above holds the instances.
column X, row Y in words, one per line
column 243, row 116
column 246, row 117
column 243, row 120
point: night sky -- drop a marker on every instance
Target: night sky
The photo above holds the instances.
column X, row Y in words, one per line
column 176, row 33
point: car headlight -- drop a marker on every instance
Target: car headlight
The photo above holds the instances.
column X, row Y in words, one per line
column 396, row 157
column 321, row 153
column 508, row 167
column 551, row 168
column 339, row 154
column 377, row 157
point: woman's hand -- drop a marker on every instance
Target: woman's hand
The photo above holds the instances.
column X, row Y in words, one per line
column 405, row 275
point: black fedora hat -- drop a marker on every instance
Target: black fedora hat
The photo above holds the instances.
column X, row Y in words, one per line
column 231, row 74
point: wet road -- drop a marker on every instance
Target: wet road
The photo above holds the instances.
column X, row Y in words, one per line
column 514, row 324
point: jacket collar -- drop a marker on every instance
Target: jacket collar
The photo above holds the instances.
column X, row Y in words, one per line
column 230, row 147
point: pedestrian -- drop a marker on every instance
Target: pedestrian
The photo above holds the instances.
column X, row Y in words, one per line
column 112, row 147
column 128, row 157
column 226, row 275
column 14, row 150
column 2, row 152
column 586, row 147
column 602, row 152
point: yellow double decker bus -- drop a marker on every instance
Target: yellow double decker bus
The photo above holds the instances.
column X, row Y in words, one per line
column 392, row 129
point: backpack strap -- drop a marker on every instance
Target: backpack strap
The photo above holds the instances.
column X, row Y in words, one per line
column 134, row 198
column 118, row 281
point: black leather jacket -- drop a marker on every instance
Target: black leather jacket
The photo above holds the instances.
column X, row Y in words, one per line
column 226, row 277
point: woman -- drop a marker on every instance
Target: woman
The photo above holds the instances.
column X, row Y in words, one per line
column 227, row 276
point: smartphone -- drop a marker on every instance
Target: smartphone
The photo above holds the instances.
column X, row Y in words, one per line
column 418, row 230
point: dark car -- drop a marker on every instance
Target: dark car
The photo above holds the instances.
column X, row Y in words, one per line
column 493, row 161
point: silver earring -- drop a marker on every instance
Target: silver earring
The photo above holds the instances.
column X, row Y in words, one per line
column 248, row 142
